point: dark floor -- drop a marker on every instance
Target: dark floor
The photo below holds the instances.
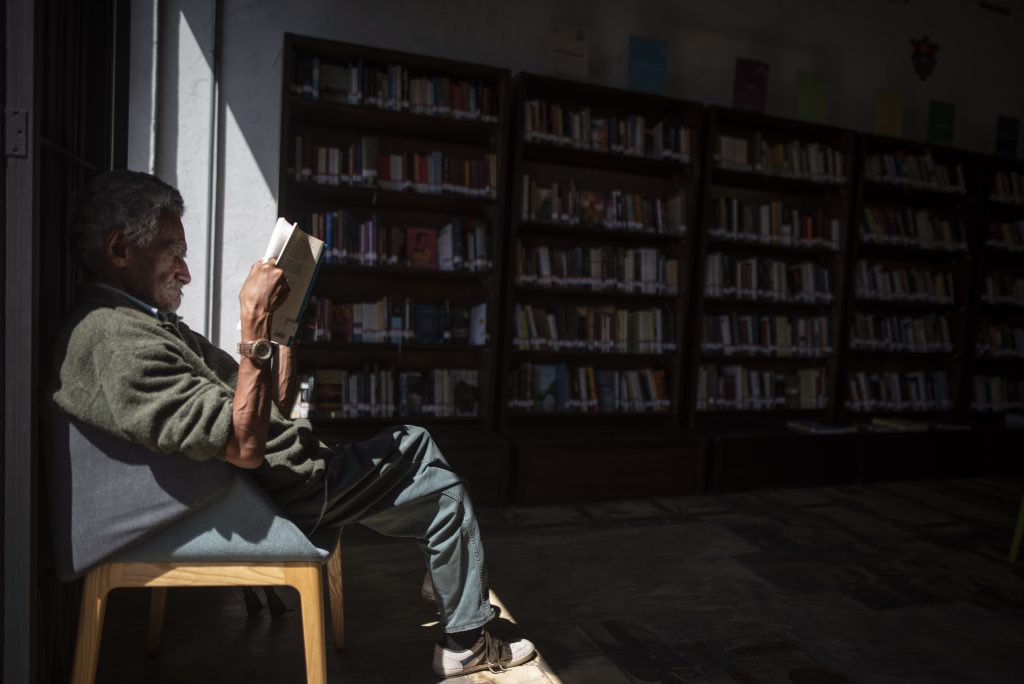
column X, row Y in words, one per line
column 901, row 582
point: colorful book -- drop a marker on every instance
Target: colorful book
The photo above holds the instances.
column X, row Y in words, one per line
column 421, row 248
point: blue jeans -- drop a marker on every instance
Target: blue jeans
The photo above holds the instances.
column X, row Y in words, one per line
column 399, row 484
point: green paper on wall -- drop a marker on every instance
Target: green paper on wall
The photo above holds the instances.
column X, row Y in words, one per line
column 889, row 113
column 811, row 96
column 941, row 117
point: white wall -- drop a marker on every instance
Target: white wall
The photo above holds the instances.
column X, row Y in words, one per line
column 861, row 46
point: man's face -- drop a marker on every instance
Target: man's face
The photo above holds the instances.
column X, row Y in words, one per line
column 157, row 272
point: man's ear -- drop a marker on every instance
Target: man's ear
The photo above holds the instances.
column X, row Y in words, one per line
column 116, row 246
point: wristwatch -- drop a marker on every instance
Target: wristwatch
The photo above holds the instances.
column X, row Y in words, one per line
column 258, row 351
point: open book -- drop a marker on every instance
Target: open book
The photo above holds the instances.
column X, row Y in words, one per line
column 298, row 254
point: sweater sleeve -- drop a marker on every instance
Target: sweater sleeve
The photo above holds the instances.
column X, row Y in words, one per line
column 158, row 399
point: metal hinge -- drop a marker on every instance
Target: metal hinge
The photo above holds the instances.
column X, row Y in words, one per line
column 16, row 132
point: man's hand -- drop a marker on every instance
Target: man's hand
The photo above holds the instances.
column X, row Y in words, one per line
column 264, row 290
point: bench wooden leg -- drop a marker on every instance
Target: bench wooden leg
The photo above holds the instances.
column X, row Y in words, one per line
column 336, row 593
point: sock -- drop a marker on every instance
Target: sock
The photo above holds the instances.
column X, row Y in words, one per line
column 462, row 641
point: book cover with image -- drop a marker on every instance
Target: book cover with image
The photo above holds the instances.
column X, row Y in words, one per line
column 421, row 248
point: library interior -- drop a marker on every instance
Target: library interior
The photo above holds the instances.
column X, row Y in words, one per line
column 715, row 310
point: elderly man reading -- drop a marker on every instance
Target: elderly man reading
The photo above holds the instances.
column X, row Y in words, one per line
column 126, row 364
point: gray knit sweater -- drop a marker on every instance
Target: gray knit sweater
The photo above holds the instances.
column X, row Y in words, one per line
column 161, row 385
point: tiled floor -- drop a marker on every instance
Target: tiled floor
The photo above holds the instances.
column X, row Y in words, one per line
column 901, row 582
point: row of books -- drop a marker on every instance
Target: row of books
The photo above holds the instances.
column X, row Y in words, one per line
column 394, row 87
column 738, row 388
column 643, row 270
column 1003, row 288
column 772, row 223
column 1007, row 236
column 561, row 388
column 1000, row 341
column 906, row 391
column 761, row 335
column 461, row 245
column 913, row 228
column 375, row 392
column 997, row 393
column 919, row 171
column 929, row 334
column 1008, row 187
column 898, row 284
column 561, row 202
column 631, row 135
column 765, row 278
column 362, row 164
column 793, row 159
column 397, row 320
column 603, row 329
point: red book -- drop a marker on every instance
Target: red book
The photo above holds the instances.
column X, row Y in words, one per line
column 421, row 247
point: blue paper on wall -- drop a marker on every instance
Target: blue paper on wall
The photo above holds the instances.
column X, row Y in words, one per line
column 647, row 58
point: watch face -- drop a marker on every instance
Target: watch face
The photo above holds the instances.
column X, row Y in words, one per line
column 262, row 350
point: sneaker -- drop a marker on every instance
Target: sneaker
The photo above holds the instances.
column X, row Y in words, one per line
column 488, row 653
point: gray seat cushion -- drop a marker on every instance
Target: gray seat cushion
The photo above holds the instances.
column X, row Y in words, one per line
column 108, row 495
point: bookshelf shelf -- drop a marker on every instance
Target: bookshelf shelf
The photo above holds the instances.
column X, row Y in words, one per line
column 774, row 227
column 416, row 262
column 589, row 155
column 995, row 369
column 914, row 250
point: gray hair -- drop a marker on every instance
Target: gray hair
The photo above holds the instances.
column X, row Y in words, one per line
column 129, row 200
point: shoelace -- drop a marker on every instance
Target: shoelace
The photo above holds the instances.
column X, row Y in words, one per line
column 497, row 653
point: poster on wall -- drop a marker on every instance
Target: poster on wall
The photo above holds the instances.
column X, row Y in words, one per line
column 941, row 118
column 647, row 59
column 889, row 113
column 811, row 96
column 568, row 51
column 750, row 86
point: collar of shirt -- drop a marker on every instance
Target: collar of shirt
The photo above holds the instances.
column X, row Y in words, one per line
column 162, row 316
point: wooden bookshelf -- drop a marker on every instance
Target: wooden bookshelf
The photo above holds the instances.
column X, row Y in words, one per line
column 769, row 272
column 603, row 201
column 391, row 157
column 914, row 230
column 995, row 347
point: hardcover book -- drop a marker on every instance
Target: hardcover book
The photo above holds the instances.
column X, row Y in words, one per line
column 421, row 247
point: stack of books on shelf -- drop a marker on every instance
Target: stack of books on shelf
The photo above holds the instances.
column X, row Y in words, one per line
column 394, row 87
column 773, row 223
column 1000, row 341
column 897, row 284
column 568, row 388
column 766, row 335
column 561, row 202
column 764, row 278
column 1008, row 187
column 643, row 270
column 631, row 135
column 904, row 391
column 907, row 227
column 603, row 329
column 1007, row 236
column 993, row 393
column 927, row 334
column 397, row 320
column 919, row 171
column 364, row 239
column 363, row 163
column 799, row 159
column 1003, row 288
column 375, row 392
column 721, row 388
